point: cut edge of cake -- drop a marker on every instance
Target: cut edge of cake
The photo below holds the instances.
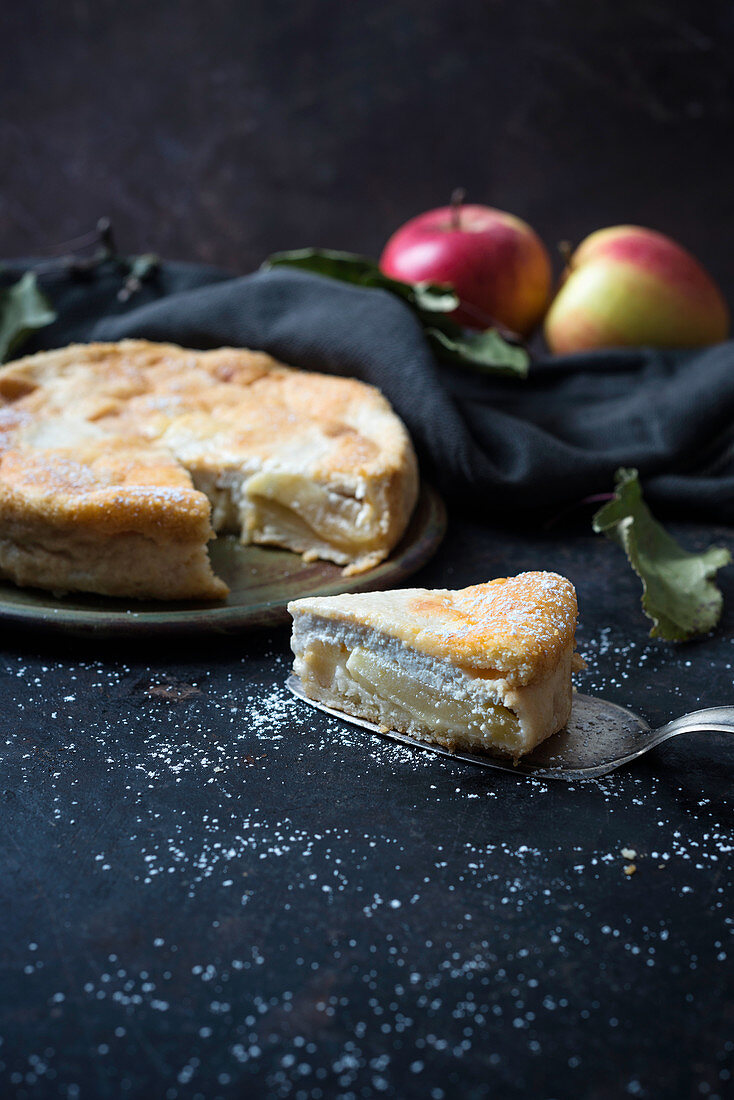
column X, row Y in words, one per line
column 395, row 672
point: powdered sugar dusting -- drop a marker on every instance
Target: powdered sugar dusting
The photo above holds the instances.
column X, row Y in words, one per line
column 516, row 626
column 250, row 898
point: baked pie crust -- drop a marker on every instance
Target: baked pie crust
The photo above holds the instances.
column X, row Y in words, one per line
column 118, row 462
column 483, row 669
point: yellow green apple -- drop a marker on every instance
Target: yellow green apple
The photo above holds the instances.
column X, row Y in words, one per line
column 632, row 286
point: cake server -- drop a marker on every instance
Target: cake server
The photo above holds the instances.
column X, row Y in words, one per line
column 598, row 738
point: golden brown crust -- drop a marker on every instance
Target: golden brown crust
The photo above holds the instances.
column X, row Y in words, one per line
column 106, row 436
column 107, row 486
column 515, row 628
column 346, row 425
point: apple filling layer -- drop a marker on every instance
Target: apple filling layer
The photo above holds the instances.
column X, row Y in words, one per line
column 485, row 723
column 467, row 712
column 283, row 509
column 309, row 517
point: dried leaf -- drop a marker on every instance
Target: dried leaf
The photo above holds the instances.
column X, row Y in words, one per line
column 23, row 309
column 678, row 592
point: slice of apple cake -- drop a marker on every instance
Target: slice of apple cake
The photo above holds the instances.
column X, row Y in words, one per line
column 483, row 669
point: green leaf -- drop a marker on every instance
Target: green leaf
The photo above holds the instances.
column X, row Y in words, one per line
column 484, row 351
column 23, row 309
column 432, row 297
column 487, row 352
column 348, row 267
column 678, row 592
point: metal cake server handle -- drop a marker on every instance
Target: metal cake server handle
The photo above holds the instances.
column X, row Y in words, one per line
column 598, row 738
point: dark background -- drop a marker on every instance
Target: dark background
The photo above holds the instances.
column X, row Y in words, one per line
column 221, row 131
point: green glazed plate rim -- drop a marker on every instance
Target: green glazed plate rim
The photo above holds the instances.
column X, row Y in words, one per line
column 262, row 580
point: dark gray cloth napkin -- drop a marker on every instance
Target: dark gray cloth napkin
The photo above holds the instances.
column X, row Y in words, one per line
column 517, row 448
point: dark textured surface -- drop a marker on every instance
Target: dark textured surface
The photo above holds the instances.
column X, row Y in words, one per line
column 215, row 891
column 226, row 130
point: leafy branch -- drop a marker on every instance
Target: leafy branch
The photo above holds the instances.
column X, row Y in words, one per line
column 24, row 308
column 133, row 269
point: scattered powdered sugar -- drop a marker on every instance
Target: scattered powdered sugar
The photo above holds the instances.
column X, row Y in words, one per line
column 321, row 912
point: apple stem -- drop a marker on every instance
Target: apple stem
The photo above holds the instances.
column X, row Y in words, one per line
column 457, row 197
column 565, row 250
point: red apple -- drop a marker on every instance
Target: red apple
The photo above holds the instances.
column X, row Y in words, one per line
column 632, row 286
column 497, row 265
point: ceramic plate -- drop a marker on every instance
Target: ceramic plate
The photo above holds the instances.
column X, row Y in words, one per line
column 262, row 580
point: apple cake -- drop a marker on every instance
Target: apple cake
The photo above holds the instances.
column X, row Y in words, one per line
column 119, row 462
column 483, row 669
